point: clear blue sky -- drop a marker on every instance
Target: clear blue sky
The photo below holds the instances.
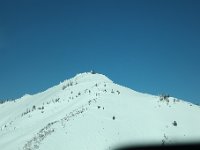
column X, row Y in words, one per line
column 151, row 46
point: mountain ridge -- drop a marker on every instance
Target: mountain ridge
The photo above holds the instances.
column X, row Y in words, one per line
column 98, row 113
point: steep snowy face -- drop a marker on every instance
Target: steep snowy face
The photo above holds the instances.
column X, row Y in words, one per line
column 91, row 112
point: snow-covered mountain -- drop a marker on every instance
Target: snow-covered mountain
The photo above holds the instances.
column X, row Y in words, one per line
column 90, row 112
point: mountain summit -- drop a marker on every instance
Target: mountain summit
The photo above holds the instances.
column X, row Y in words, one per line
column 91, row 112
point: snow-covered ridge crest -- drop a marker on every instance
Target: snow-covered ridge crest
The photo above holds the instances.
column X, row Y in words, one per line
column 81, row 78
column 88, row 77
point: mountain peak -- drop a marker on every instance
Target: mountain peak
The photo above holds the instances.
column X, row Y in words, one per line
column 89, row 77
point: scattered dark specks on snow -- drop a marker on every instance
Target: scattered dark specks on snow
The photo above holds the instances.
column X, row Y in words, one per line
column 174, row 123
column 118, row 92
column 164, row 140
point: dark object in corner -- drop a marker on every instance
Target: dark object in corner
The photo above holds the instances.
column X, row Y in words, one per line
column 190, row 146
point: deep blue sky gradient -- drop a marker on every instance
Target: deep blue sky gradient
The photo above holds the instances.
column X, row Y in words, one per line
column 151, row 46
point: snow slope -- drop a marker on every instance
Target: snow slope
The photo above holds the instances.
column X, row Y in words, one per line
column 90, row 112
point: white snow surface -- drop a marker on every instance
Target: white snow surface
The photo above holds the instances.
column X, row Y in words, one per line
column 90, row 112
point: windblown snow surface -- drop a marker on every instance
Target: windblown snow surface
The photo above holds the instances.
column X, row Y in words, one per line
column 90, row 112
